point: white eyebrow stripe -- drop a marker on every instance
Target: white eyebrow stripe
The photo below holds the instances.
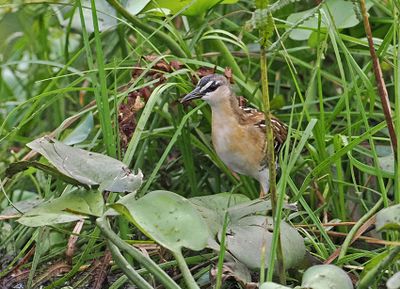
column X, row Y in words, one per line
column 206, row 86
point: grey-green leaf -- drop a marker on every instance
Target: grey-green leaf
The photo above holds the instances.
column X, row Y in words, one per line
column 394, row 281
column 342, row 12
column 388, row 218
column 71, row 206
column 81, row 132
column 169, row 219
column 326, row 276
column 213, row 208
column 105, row 15
column 88, row 168
column 245, row 238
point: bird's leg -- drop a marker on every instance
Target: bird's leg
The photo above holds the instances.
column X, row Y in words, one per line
column 234, row 174
column 262, row 193
column 264, row 189
column 264, row 182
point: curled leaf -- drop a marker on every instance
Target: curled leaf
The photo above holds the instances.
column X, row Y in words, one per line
column 88, row 168
column 71, row 206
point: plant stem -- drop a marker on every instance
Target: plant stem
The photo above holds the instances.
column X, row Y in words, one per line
column 272, row 173
column 149, row 264
column 379, row 79
column 396, row 73
column 266, row 31
column 359, row 223
column 190, row 282
column 128, row 270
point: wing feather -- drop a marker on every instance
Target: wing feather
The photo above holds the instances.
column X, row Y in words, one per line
column 257, row 118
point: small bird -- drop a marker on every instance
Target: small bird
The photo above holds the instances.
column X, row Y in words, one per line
column 238, row 133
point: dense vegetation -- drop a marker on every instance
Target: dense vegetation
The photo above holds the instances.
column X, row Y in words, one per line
column 107, row 77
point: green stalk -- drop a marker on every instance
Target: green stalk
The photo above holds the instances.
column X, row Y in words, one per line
column 396, row 45
column 355, row 228
column 379, row 79
column 128, row 270
column 270, row 154
column 166, row 265
column 222, row 249
column 187, row 276
column 146, row 262
column 265, row 27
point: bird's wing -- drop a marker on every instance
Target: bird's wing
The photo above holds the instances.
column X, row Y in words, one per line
column 257, row 118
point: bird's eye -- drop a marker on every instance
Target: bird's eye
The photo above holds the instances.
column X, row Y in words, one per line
column 210, row 86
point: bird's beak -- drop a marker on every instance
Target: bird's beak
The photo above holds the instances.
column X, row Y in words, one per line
column 195, row 94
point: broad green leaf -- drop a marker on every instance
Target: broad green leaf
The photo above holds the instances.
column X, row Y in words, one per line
column 167, row 218
column 88, row 168
column 252, row 207
column 81, row 132
column 71, row 206
column 388, row 218
column 246, row 237
column 220, row 202
column 188, row 7
column 213, row 208
column 326, row 276
column 341, row 10
column 394, row 281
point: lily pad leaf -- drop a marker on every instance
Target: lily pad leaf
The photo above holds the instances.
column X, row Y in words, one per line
column 167, row 218
column 81, row 132
column 342, row 12
column 213, row 208
column 71, row 206
column 326, row 276
column 88, row 168
column 388, row 218
column 246, row 236
column 252, row 207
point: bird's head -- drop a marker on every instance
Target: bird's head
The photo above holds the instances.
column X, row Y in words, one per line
column 212, row 88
